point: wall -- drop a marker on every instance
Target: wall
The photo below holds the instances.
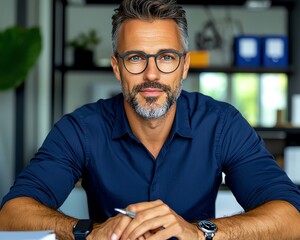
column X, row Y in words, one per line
column 37, row 93
column 7, row 114
column 85, row 87
column 294, row 85
column 38, row 84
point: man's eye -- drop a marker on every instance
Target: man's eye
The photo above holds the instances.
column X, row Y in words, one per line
column 166, row 57
column 134, row 58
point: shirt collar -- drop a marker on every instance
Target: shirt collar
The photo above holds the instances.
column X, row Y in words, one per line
column 182, row 121
column 121, row 126
column 181, row 124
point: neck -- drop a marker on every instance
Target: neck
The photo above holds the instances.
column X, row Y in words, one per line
column 151, row 132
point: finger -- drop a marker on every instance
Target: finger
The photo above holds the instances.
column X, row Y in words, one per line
column 179, row 229
column 119, row 228
column 137, row 207
column 154, row 211
column 175, row 230
column 139, row 225
column 166, row 233
column 148, row 234
column 152, row 225
column 162, row 234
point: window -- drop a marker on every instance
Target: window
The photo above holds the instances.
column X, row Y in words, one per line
column 257, row 96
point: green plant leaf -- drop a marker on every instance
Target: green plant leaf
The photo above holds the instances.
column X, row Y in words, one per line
column 87, row 41
column 19, row 51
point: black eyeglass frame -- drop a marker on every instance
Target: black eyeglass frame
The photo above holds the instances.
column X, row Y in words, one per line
column 147, row 56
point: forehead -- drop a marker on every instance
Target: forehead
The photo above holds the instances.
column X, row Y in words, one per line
column 149, row 36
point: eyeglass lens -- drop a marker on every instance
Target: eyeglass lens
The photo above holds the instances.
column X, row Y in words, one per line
column 137, row 62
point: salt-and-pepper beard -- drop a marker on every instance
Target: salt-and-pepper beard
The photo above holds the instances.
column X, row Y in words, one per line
column 151, row 109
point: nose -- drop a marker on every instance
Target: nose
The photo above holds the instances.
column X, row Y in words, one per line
column 151, row 73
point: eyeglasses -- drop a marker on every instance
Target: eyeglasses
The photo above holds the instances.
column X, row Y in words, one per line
column 136, row 62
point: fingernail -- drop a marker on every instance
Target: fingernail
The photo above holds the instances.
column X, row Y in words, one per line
column 114, row 237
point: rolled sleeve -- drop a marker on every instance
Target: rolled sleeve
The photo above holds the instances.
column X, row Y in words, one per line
column 56, row 167
column 251, row 171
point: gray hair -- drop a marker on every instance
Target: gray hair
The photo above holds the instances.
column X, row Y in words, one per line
column 149, row 10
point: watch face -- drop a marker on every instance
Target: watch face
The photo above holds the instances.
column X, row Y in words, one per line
column 207, row 226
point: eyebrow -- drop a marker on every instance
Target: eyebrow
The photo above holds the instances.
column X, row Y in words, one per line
column 160, row 50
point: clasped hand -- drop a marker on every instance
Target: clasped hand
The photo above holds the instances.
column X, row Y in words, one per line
column 154, row 220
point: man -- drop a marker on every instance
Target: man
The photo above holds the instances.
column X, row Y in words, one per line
column 155, row 151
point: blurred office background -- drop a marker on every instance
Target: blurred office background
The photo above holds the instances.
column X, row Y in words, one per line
column 266, row 96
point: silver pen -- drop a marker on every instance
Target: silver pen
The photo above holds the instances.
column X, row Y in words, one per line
column 126, row 212
column 131, row 214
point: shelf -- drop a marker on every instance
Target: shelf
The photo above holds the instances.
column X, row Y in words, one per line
column 229, row 70
column 290, row 135
column 284, row 3
column 84, row 69
column 60, row 25
column 287, row 70
column 288, row 130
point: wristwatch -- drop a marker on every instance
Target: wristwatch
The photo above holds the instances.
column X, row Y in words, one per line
column 82, row 229
column 208, row 228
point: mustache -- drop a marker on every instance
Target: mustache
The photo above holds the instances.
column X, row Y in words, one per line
column 157, row 85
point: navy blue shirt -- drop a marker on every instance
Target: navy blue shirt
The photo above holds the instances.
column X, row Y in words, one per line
column 208, row 137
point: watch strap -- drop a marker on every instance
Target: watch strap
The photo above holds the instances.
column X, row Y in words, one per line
column 80, row 237
column 208, row 237
column 82, row 229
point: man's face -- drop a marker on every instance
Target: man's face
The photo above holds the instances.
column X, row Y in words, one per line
column 152, row 92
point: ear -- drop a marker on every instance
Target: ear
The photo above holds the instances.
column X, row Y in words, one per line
column 186, row 65
column 115, row 66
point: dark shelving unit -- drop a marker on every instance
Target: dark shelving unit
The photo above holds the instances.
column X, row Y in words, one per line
column 289, row 136
column 59, row 67
column 287, row 70
column 285, row 3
